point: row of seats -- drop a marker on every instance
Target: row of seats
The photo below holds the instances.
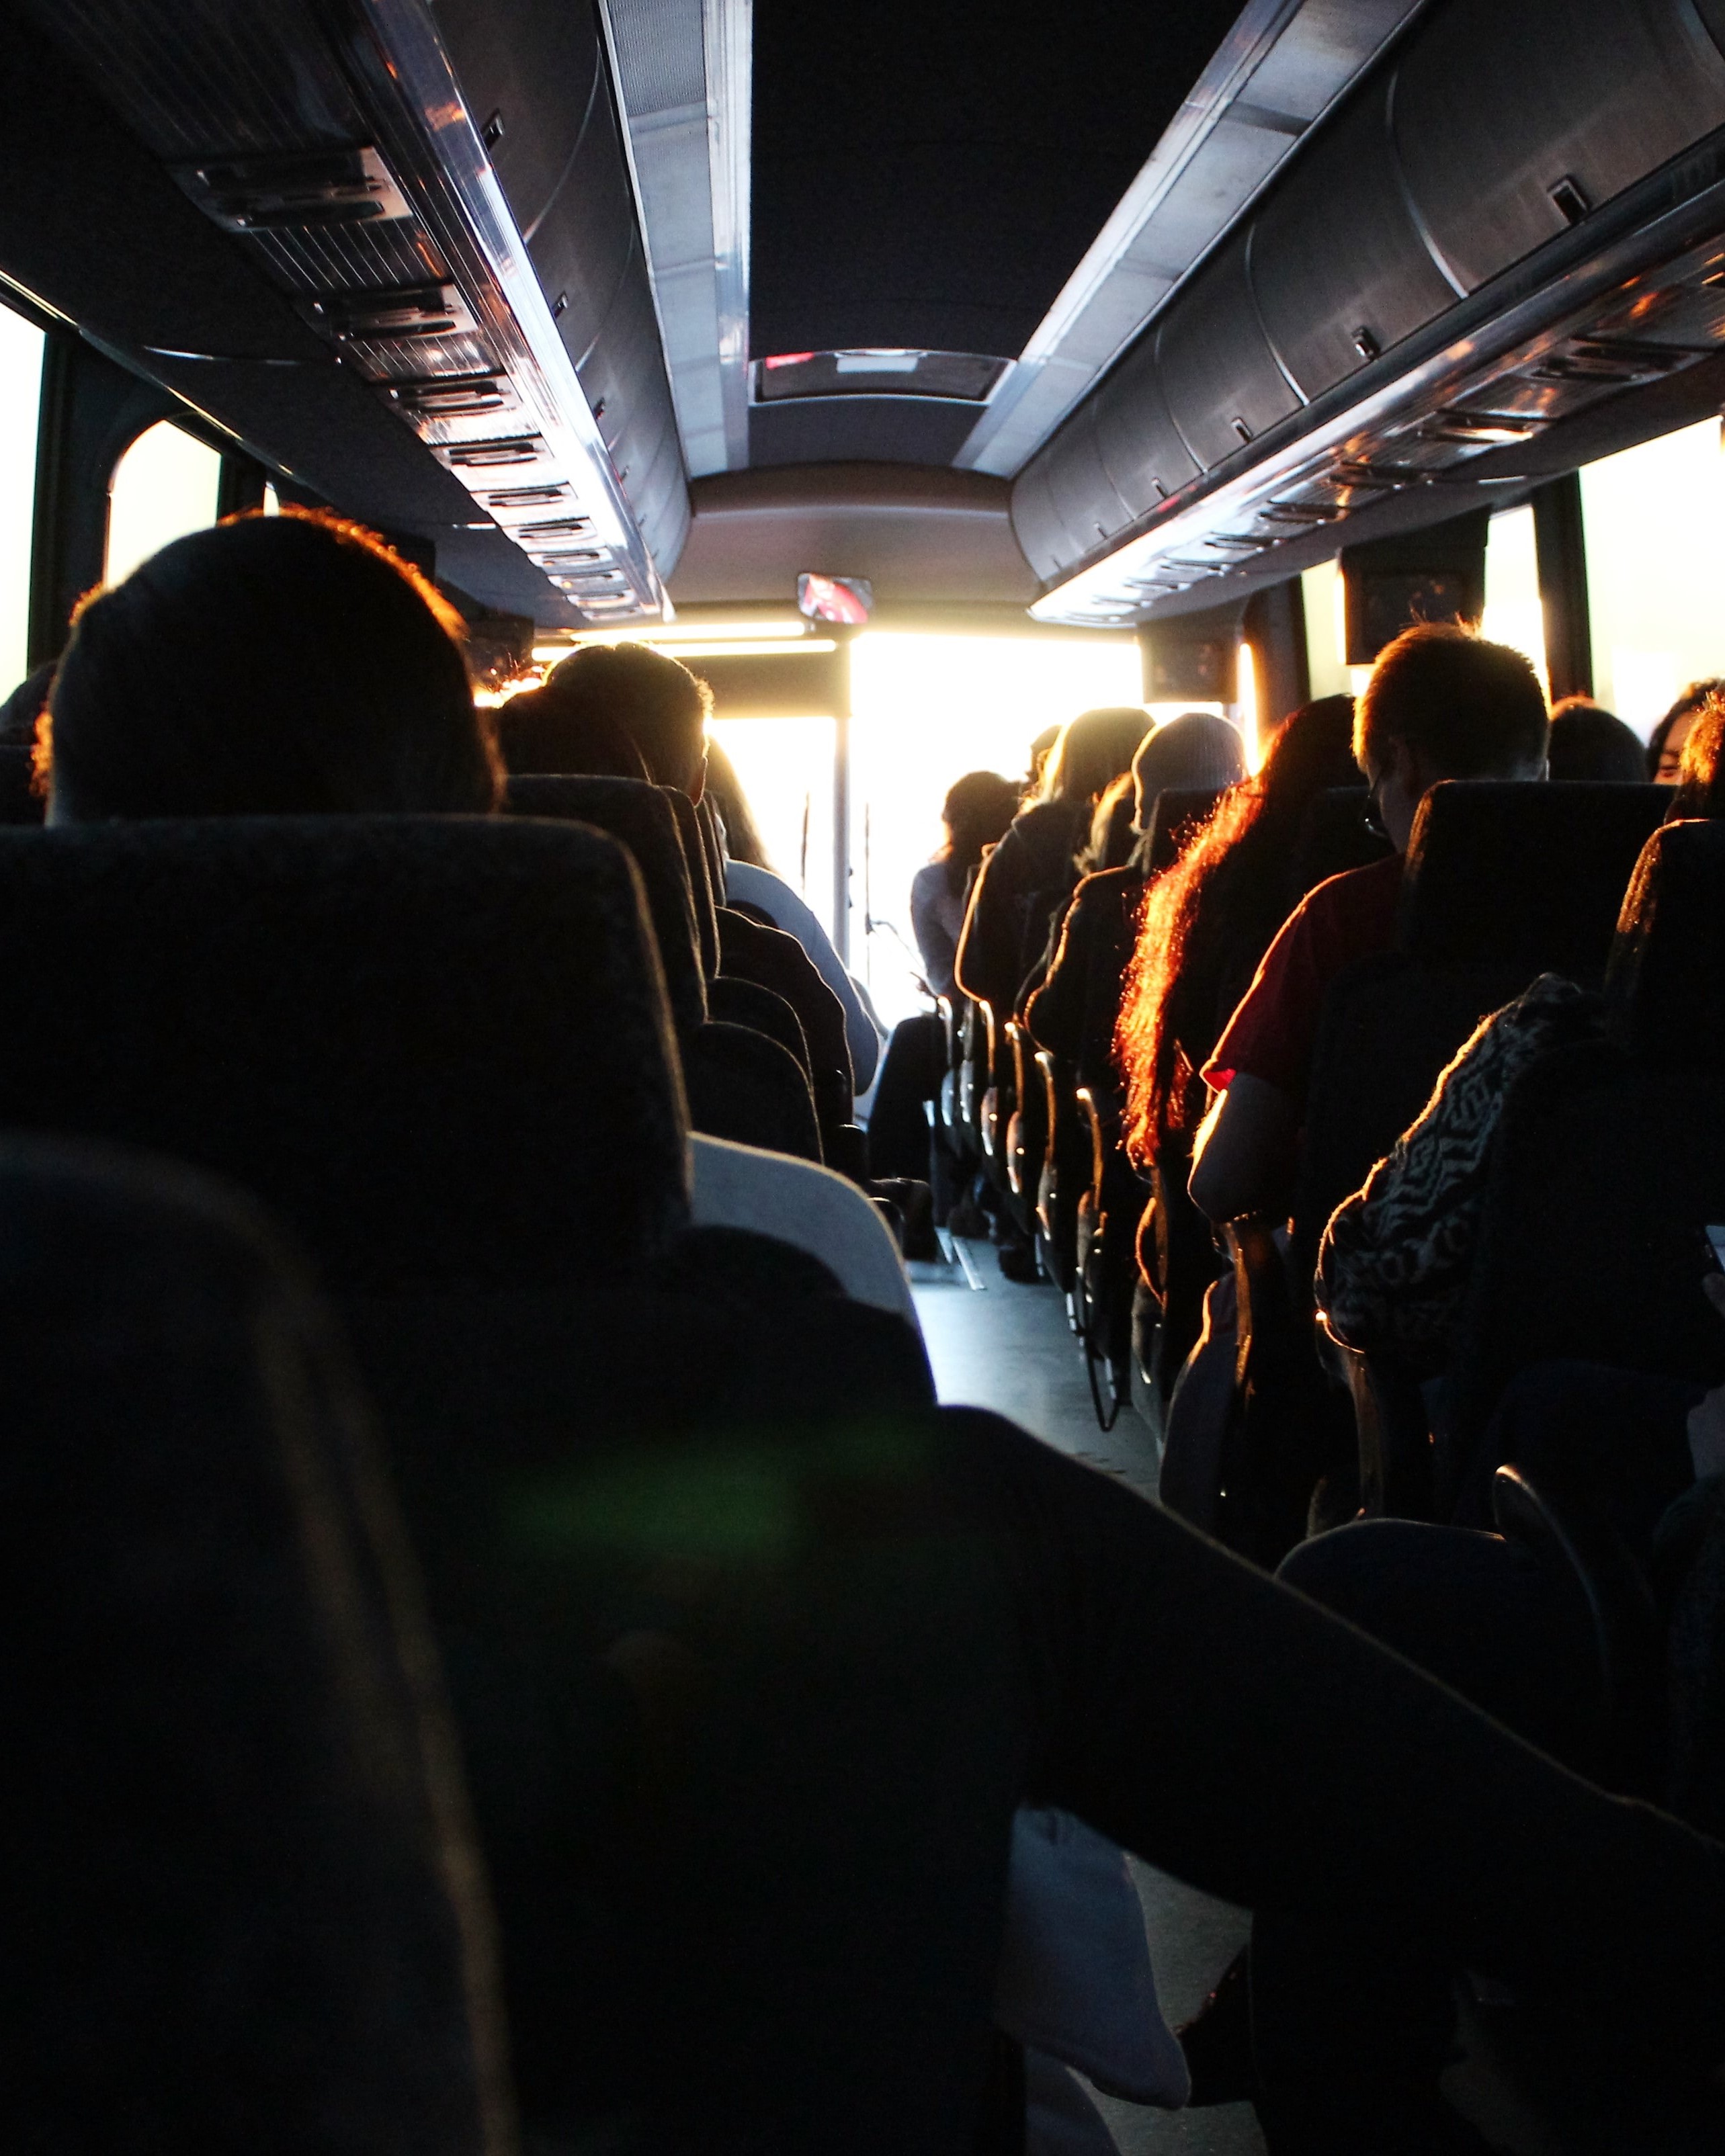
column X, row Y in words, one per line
column 444, row 1051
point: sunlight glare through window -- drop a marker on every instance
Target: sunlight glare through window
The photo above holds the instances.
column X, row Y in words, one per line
column 165, row 485
column 21, row 348
column 926, row 709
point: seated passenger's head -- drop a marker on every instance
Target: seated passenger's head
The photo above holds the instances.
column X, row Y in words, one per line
column 974, row 814
column 1701, row 779
column 1113, row 830
column 659, row 704
column 274, row 666
column 1194, row 751
column 1666, row 742
column 1443, row 703
column 542, row 731
column 1588, row 742
column 1093, row 748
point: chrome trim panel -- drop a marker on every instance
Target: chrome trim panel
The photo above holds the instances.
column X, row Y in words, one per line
column 683, row 74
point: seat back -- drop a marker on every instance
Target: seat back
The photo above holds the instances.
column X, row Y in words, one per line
column 1179, row 812
column 705, row 900
column 438, row 1045
column 1609, row 1161
column 1530, row 878
column 640, row 815
column 1501, row 883
column 244, row 1854
column 19, row 800
column 1666, row 985
column 1334, row 837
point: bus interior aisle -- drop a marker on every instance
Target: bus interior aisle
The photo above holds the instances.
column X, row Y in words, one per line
column 1001, row 1345
column 862, row 1112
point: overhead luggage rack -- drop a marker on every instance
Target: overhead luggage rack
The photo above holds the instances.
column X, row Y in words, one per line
column 336, row 144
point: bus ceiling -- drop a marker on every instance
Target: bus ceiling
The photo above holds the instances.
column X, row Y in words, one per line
column 1108, row 313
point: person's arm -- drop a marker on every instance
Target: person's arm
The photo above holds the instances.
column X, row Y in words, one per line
column 1243, row 1159
column 761, row 887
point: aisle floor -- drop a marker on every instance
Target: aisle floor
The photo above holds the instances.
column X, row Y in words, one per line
column 1006, row 1346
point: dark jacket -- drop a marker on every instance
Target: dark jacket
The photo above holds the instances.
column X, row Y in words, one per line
column 1024, row 881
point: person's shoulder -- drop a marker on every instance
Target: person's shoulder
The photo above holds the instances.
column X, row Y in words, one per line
column 1358, row 898
column 761, row 887
column 930, row 881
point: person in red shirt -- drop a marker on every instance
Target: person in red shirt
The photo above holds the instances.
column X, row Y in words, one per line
column 1442, row 703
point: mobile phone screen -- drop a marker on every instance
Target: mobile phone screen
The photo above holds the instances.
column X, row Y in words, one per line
column 1715, row 1235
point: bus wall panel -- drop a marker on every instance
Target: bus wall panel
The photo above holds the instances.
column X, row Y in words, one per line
column 1223, row 384
column 1142, row 449
column 1082, row 494
column 1500, row 109
column 1338, row 265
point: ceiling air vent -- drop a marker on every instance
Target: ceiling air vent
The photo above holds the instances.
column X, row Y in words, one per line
column 319, row 188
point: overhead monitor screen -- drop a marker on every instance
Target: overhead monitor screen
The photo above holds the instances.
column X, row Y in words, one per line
column 836, row 599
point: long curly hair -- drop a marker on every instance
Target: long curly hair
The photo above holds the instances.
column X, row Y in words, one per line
column 1208, row 920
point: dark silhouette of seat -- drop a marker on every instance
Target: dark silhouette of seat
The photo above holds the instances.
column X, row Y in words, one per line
column 1501, row 883
column 1334, row 837
column 1179, row 813
column 701, row 882
column 438, row 1046
column 249, row 1912
column 19, row 800
column 639, row 815
column 740, row 1084
column 1608, row 1161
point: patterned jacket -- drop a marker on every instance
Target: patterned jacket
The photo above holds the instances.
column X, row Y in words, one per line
column 1395, row 1258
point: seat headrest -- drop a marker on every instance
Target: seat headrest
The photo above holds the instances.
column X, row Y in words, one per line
column 1333, row 838
column 238, row 1852
column 19, row 800
column 700, row 879
column 1177, row 813
column 1665, row 988
column 638, row 813
column 1528, row 876
column 437, row 1045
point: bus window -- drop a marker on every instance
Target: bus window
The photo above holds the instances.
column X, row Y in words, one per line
column 1654, row 518
column 1513, row 613
column 1322, row 602
column 785, row 767
column 165, row 485
column 927, row 709
column 21, row 345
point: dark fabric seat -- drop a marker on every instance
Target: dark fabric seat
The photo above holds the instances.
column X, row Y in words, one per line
column 1501, row 883
column 1334, row 837
column 639, row 815
column 701, row 882
column 740, row 1085
column 1178, row 812
column 1607, row 1163
column 438, row 1045
column 19, row 800
column 242, row 1914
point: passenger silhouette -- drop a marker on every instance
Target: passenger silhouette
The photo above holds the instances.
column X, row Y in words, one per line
column 1665, row 745
column 1588, row 742
column 1441, row 703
